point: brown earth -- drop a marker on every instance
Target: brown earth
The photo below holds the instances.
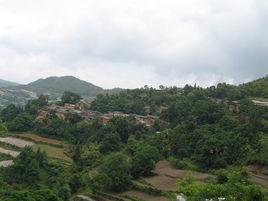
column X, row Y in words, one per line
column 167, row 176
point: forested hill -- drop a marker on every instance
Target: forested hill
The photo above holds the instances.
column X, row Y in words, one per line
column 57, row 85
column 153, row 101
column 192, row 130
column 51, row 86
column 257, row 88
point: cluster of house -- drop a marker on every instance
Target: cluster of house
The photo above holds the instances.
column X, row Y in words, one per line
column 233, row 106
column 82, row 109
column 145, row 120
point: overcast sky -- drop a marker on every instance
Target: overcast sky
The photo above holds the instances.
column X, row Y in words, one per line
column 130, row 43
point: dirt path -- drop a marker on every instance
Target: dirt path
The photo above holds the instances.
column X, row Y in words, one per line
column 9, row 152
column 17, row 142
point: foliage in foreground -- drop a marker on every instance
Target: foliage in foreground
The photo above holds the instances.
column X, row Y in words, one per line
column 234, row 188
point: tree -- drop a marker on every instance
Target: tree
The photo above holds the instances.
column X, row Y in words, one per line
column 26, row 168
column 70, row 97
column 33, row 106
column 22, row 122
column 237, row 188
column 10, row 112
column 114, row 172
column 87, row 154
column 45, row 194
column 111, row 142
column 144, row 160
column 3, row 128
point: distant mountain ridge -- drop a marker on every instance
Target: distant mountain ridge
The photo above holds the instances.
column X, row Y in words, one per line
column 55, row 86
column 5, row 83
column 51, row 86
column 13, row 93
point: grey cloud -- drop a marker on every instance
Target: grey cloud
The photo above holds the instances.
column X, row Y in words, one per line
column 221, row 41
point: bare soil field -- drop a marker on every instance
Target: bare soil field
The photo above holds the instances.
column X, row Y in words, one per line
column 38, row 138
column 53, row 152
column 143, row 196
column 9, row 152
column 17, row 142
column 167, row 176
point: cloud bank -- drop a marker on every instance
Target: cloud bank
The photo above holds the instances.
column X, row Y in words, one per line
column 116, row 43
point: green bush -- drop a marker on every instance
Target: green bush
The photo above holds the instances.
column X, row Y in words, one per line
column 3, row 128
column 185, row 164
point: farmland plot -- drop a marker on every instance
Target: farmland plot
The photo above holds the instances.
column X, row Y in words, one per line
column 53, row 152
column 38, row 138
column 167, row 176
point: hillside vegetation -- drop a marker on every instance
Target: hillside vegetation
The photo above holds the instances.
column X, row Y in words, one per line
column 194, row 129
column 4, row 83
column 55, row 86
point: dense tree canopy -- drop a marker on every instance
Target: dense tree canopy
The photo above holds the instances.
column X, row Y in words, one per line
column 196, row 128
column 70, row 97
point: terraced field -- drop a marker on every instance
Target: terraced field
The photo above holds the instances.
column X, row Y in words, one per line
column 6, row 163
column 9, row 152
column 38, row 138
column 166, row 176
column 16, row 142
column 53, row 152
column 11, row 147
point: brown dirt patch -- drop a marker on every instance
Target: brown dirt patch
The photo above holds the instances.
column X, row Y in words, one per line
column 167, row 176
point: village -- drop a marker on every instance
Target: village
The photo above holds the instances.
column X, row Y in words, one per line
column 82, row 109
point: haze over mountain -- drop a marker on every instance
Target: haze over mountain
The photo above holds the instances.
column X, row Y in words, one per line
column 5, row 83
